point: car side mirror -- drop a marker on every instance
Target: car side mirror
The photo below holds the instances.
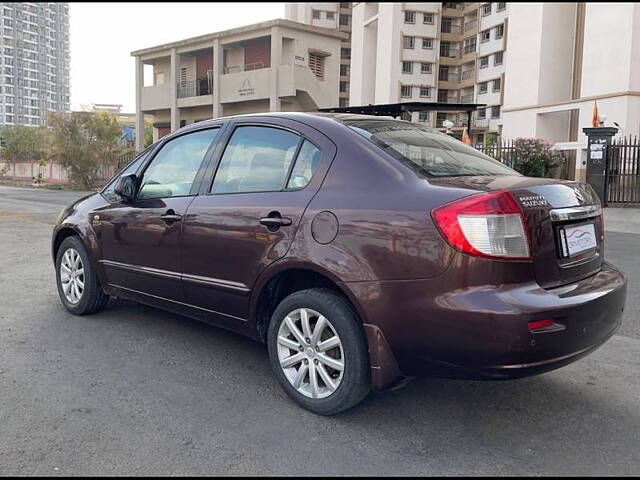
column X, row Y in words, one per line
column 126, row 187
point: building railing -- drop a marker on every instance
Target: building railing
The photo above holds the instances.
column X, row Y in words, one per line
column 195, row 88
column 466, row 98
column 449, row 28
column 450, row 53
column 470, row 25
column 468, row 74
column 244, row 68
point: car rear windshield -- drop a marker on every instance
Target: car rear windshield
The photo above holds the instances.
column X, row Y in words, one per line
column 427, row 151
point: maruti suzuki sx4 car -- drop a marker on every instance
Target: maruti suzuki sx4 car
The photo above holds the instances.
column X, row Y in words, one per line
column 363, row 250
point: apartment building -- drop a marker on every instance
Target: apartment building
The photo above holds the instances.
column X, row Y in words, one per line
column 564, row 57
column 335, row 16
column 278, row 65
column 34, row 62
column 448, row 52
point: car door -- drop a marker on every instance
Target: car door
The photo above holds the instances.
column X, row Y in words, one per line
column 265, row 176
column 140, row 239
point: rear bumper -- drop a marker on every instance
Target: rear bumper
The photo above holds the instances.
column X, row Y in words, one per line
column 482, row 331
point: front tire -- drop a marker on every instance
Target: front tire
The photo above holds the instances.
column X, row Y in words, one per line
column 78, row 286
column 318, row 351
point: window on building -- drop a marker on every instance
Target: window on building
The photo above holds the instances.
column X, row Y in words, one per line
column 256, row 159
column 499, row 31
column 486, row 9
column 344, row 70
column 344, row 19
column 427, row 43
column 344, row 102
column 406, row 116
column 408, row 42
column 482, row 87
column 331, row 15
column 405, row 91
column 343, row 86
column 409, row 16
column 423, row 116
column 497, row 84
column 316, row 64
column 485, row 35
column 470, row 44
column 482, row 113
column 315, row 14
column 484, row 62
column 427, row 18
column 495, row 111
column 425, row 92
column 443, row 73
column 425, row 68
column 501, row 6
column 345, row 52
column 445, row 26
column 345, row 4
column 407, row 67
column 497, row 59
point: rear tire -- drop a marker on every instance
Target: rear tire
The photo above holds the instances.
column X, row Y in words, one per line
column 332, row 348
column 78, row 286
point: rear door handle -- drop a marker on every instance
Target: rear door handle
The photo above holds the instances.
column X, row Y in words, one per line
column 275, row 221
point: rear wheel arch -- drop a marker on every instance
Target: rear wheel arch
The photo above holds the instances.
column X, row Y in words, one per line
column 285, row 281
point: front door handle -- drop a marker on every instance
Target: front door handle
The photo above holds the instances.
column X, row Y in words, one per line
column 171, row 217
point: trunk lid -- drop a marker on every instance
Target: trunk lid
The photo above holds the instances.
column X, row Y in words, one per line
column 564, row 223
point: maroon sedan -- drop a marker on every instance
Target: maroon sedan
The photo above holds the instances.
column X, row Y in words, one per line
column 363, row 250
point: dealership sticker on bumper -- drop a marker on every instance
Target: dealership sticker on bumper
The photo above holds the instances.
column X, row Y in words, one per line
column 578, row 239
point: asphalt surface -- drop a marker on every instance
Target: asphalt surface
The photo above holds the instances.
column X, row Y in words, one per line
column 137, row 391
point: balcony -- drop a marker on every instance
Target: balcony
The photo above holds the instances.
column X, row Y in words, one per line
column 156, row 97
column 470, row 25
column 195, row 88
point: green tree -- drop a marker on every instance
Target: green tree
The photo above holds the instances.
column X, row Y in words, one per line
column 148, row 134
column 24, row 144
column 82, row 142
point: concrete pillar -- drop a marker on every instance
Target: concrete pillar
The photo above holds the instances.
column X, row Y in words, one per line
column 139, row 113
column 218, row 65
column 173, row 78
column 276, row 60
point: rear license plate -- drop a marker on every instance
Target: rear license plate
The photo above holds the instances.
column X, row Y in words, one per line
column 577, row 239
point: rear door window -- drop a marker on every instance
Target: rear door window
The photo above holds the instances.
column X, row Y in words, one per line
column 256, row 159
column 428, row 152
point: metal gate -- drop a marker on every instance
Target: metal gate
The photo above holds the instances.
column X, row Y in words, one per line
column 623, row 171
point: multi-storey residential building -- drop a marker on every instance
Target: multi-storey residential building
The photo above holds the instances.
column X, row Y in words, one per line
column 278, row 65
column 34, row 62
column 335, row 16
column 564, row 57
column 448, row 52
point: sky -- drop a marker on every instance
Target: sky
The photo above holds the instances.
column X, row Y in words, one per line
column 103, row 35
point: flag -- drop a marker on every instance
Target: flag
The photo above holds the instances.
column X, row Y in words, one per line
column 465, row 137
column 595, row 118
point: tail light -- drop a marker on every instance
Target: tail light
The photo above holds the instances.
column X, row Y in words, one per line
column 489, row 225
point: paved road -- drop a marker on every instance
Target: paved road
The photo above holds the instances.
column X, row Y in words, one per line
column 137, row 391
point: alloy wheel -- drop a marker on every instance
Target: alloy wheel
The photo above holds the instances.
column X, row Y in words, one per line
column 310, row 353
column 72, row 276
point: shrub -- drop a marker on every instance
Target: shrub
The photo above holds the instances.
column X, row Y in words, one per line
column 535, row 158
